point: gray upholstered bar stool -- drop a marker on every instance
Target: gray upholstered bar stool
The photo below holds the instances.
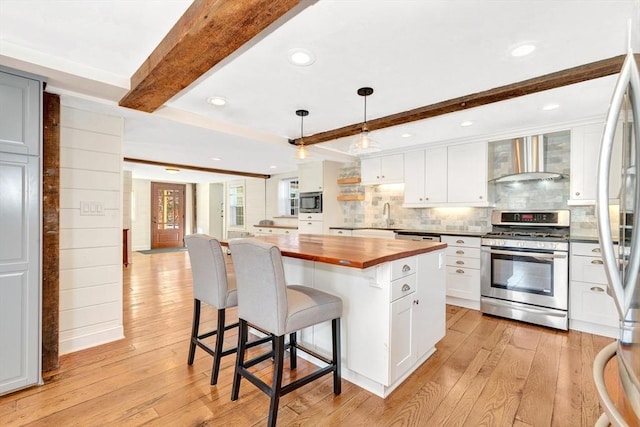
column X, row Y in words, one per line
column 265, row 300
column 211, row 286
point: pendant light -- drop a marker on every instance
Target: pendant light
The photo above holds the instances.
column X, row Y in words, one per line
column 363, row 143
column 301, row 151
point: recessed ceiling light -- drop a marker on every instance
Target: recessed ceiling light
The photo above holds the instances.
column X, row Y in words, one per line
column 172, row 170
column 273, row 167
column 218, row 101
column 301, row 57
column 550, row 107
column 216, row 159
column 523, row 50
column 466, row 123
column 406, row 135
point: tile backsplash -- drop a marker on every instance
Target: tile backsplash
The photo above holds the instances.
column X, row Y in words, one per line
column 532, row 195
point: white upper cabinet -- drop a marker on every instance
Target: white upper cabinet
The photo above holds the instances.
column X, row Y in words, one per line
column 467, row 174
column 310, row 177
column 382, row 170
column 20, row 118
column 425, row 177
column 447, row 176
column 585, row 153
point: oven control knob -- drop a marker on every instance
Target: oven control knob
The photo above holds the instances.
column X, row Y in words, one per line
column 521, row 244
column 541, row 244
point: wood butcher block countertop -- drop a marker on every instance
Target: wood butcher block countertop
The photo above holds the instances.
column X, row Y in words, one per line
column 356, row 252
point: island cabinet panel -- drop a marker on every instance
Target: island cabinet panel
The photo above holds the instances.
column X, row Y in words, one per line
column 393, row 315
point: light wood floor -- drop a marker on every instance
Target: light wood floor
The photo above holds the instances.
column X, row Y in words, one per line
column 486, row 371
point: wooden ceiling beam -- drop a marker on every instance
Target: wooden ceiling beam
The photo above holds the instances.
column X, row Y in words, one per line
column 207, row 33
column 555, row 80
column 195, row 168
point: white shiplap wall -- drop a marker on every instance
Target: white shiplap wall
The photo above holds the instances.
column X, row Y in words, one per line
column 90, row 241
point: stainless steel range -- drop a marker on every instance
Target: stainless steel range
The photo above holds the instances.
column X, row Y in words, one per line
column 525, row 267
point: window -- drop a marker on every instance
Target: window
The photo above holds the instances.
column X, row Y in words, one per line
column 289, row 197
column 236, row 205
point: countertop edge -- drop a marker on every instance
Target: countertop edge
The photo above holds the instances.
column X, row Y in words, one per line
column 366, row 264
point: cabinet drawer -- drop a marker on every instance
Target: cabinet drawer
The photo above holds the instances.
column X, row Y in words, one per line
column 586, row 249
column 403, row 286
column 286, row 231
column 473, row 242
column 403, row 267
column 591, row 303
column 588, row 269
column 463, row 262
column 310, row 217
column 463, row 283
column 340, row 232
column 458, row 251
column 310, row 227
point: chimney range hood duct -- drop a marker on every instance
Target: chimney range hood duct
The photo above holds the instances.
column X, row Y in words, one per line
column 528, row 161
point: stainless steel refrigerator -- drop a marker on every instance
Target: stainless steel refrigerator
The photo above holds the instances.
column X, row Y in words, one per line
column 622, row 261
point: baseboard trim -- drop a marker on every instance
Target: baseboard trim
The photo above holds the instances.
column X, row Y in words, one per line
column 87, row 341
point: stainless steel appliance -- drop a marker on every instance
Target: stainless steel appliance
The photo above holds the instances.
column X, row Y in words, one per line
column 622, row 266
column 310, row 202
column 524, row 267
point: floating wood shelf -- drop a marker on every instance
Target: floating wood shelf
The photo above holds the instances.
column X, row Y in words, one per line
column 354, row 180
column 347, row 197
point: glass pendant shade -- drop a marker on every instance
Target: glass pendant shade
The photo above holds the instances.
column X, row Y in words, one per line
column 364, row 144
column 302, row 153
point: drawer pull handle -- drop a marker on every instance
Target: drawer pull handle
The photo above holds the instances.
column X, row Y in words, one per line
column 460, row 252
column 459, row 241
column 597, row 289
column 459, row 262
column 597, row 250
column 597, row 261
column 406, row 288
column 340, row 232
column 460, row 271
column 405, row 268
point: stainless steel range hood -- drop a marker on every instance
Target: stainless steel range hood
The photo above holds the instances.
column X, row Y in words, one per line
column 528, row 161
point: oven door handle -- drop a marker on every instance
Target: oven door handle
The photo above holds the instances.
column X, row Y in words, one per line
column 529, row 254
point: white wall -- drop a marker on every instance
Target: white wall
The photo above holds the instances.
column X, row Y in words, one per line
column 141, row 215
column 91, row 240
column 202, row 208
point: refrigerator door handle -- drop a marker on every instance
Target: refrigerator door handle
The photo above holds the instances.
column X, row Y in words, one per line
column 622, row 293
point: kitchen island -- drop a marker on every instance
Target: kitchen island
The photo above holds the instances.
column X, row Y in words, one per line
column 393, row 294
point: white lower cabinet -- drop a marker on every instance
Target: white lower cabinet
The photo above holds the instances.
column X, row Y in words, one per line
column 463, row 270
column 268, row 231
column 393, row 315
column 591, row 309
column 310, row 223
column 339, row 232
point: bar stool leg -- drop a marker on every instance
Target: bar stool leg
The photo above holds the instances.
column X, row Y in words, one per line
column 194, row 331
column 218, row 350
column 293, row 359
column 277, row 380
column 243, row 335
column 335, row 332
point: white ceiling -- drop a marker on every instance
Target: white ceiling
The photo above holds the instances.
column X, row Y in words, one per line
column 413, row 53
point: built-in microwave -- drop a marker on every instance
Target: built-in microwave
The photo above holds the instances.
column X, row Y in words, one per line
column 311, row 202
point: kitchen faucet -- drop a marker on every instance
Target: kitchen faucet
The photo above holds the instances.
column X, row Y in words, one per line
column 386, row 212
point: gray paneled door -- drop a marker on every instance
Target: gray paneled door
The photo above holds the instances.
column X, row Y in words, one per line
column 20, row 230
column 19, row 272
